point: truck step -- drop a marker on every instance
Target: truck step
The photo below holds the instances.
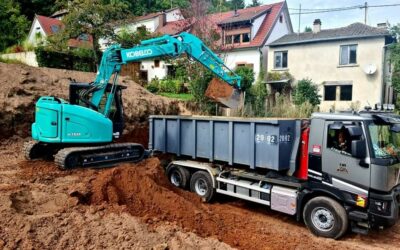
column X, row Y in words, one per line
column 244, row 189
column 270, row 178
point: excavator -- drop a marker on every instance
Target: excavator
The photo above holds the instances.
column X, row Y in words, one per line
column 81, row 132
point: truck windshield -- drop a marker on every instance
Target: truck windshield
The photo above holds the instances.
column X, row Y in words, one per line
column 385, row 142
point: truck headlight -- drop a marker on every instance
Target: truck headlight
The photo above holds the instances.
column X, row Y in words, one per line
column 381, row 207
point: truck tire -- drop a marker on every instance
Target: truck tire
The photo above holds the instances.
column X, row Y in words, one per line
column 325, row 217
column 178, row 176
column 201, row 184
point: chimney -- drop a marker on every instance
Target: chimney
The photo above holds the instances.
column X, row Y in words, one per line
column 317, row 26
column 235, row 13
column 383, row 25
column 162, row 19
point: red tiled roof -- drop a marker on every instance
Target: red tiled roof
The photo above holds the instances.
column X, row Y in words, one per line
column 175, row 27
column 203, row 25
column 48, row 22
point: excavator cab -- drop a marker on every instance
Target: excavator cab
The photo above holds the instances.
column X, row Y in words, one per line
column 116, row 112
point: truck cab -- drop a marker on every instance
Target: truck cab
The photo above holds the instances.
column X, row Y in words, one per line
column 356, row 157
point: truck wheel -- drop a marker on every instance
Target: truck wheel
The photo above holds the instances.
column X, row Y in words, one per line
column 325, row 217
column 178, row 176
column 201, row 184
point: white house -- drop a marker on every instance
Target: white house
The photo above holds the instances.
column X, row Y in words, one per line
column 43, row 26
column 349, row 64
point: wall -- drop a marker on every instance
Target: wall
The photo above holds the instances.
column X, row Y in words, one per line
column 320, row 62
column 152, row 72
column 173, row 15
column 280, row 29
column 35, row 28
column 243, row 56
column 28, row 58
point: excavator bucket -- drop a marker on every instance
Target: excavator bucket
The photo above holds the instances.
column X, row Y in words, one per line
column 223, row 93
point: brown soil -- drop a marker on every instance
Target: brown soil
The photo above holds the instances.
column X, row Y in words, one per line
column 21, row 86
column 218, row 89
column 131, row 205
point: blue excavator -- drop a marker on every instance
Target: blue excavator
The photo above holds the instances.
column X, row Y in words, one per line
column 81, row 132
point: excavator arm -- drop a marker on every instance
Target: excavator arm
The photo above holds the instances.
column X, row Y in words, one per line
column 165, row 46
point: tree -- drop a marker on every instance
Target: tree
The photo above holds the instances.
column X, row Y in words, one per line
column 13, row 25
column 93, row 17
column 395, row 31
column 237, row 4
column 41, row 7
column 307, row 29
column 254, row 3
column 129, row 39
column 306, row 91
column 247, row 75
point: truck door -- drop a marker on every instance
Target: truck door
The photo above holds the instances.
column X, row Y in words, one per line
column 341, row 167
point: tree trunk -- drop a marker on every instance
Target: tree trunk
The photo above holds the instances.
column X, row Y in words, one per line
column 95, row 49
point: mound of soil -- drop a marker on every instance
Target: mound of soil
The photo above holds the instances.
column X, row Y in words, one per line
column 21, row 86
column 143, row 190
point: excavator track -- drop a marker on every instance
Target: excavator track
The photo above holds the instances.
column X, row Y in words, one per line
column 35, row 150
column 99, row 156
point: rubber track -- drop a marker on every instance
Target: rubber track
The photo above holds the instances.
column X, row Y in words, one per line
column 62, row 154
column 28, row 147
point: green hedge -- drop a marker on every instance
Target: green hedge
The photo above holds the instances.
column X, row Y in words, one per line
column 78, row 60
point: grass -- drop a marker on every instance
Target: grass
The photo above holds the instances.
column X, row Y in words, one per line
column 184, row 97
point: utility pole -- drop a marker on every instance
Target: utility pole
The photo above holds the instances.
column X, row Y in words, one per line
column 365, row 12
column 299, row 16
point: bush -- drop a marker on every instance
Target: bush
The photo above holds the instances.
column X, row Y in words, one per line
column 153, row 86
column 80, row 59
column 306, row 91
column 247, row 75
column 171, row 86
column 284, row 108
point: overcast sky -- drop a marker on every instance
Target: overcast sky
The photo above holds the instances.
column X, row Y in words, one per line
column 340, row 18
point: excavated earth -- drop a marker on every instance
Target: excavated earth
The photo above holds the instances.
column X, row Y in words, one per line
column 129, row 206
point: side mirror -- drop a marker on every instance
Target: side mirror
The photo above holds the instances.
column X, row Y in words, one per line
column 355, row 131
column 358, row 149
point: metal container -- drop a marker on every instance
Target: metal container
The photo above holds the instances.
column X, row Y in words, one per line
column 257, row 143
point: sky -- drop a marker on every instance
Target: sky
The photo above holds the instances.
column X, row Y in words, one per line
column 340, row 18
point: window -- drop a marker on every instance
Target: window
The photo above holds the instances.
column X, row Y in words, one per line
column 248, row 65
column 330, row 93
column 281, row 59
column 246, row 37
column 228, row 39
column 236, row 38
column 83, row 37
column 280, row 18
column 54, row 28
column 339, row 140
column 338, row 92
column 348, row 54
column 141, row 28
column 346, row 92
column 156, row 63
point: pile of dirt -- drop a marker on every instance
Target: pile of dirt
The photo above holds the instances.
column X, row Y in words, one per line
column 143, row 190
column 21, row 86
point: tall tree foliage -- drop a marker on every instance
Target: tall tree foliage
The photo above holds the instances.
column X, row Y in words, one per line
column 254, row 3
column 40, row 7
column 93, row 17
column 13, row 25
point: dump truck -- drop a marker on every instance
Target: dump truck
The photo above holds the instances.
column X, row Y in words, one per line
column 335, row 171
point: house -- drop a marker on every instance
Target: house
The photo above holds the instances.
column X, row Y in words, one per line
column 243, row 34
column 349, row 64
column 162, row 22
column 43, row 27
